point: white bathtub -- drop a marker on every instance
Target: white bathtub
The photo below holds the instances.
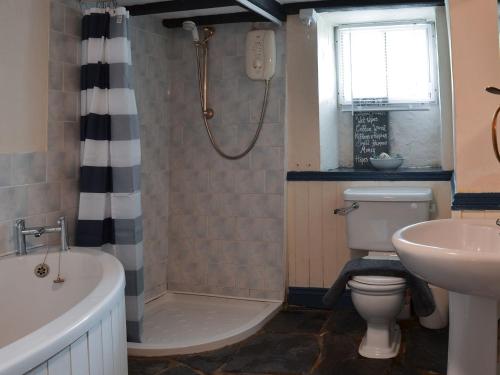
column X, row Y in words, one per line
column 74, row 327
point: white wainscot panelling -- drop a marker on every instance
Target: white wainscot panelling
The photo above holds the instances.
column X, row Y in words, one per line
column 100, row 351
column 316, row 238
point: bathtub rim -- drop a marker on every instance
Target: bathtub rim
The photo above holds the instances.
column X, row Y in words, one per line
column 38, row 346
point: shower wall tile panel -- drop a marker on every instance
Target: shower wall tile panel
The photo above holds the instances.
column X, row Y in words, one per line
column 41, row 186
column 225, row 217
column 149, row 55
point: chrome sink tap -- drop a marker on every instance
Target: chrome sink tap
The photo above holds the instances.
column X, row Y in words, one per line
column 22, row 232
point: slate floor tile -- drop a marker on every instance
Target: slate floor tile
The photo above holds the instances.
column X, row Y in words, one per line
column 295, row 320
column 403, row 370
column 210, row 361
column 276, row 353
column 427, row 349
column 345, row 321
column 178, row 370
column 146, row 366
column 362, row 366
column 335, row 349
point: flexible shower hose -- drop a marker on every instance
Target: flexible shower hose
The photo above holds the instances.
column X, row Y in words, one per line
column 213, row 141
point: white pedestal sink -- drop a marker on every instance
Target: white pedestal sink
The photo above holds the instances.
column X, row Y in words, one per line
column 462, row 256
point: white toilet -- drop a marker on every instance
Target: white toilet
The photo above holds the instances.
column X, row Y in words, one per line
column 379, row 299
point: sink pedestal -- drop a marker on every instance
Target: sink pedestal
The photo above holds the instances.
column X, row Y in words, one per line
column 472, row 347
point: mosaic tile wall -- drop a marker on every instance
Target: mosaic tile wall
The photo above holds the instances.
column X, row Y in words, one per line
column 225, row 217
column 149, row 55
column 42, row 186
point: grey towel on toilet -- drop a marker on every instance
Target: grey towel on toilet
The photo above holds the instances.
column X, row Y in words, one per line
column 423, row 302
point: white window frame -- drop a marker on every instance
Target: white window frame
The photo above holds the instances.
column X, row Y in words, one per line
column 377, row 105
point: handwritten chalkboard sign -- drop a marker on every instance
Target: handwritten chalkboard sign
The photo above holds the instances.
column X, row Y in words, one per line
column 371, row 136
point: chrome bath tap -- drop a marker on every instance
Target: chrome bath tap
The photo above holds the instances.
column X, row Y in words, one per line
column 22, row 232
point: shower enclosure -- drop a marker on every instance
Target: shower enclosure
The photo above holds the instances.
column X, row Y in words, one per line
column 213, row 227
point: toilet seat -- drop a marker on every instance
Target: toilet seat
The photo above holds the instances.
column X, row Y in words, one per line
column 376, row 289
column 379, row 280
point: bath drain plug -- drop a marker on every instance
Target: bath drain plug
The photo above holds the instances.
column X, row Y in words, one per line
column 42, row 270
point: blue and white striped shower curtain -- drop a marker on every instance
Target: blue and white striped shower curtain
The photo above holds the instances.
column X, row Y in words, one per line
column 110, row 214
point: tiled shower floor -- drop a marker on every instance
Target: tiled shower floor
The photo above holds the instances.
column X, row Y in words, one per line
column 179, row 323
column 302, row 341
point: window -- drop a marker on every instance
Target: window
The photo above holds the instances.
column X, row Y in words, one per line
column 386, row 66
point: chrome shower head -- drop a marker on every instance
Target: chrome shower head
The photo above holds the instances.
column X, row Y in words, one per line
column 191, row 26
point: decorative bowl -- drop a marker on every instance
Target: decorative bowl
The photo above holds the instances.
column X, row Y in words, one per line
column 386, row 164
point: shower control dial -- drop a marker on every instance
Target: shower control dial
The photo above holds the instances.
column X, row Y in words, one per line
column 257, row 64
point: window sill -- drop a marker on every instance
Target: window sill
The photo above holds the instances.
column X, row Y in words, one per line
column 348, row 174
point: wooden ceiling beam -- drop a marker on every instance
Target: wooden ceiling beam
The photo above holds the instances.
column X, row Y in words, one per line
column 177, row 6
column 215, row 19
column 270, row 9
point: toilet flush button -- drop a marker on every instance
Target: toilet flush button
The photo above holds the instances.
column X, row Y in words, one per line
column 413, row 205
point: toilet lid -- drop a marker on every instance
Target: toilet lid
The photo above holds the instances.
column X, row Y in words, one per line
column 379, row 280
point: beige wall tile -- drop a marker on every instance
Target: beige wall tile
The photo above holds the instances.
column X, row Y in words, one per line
column 72, row 22
column 56, row 16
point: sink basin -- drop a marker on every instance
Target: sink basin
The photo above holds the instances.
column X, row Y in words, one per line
column 462, row 256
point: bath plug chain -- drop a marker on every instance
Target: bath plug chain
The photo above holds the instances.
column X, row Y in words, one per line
column 59, row 279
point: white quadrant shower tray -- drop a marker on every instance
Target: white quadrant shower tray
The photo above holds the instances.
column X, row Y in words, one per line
column 182, row 323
